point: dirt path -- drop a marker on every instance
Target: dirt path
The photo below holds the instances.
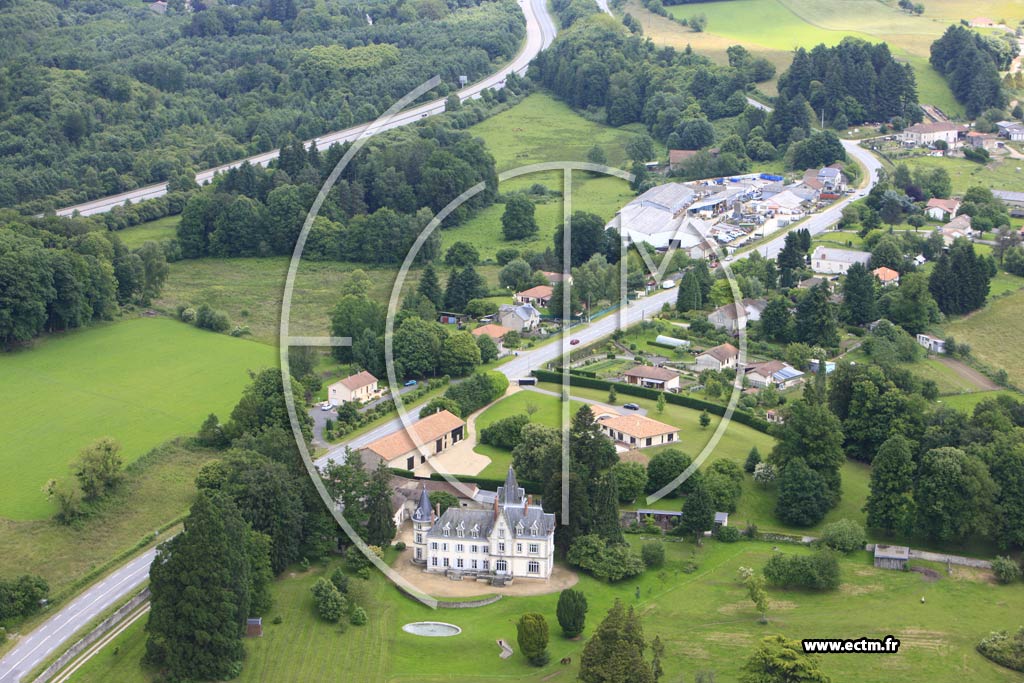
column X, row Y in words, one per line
column 968, row 373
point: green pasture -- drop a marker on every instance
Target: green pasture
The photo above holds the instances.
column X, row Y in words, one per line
column 141, row 382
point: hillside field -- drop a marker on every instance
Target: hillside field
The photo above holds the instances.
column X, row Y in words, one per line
column 704, row 619
column 994, row 333
column 805, row 23
column 140, row 381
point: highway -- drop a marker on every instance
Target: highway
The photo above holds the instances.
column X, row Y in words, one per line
column 46, row 640
column 540, row 32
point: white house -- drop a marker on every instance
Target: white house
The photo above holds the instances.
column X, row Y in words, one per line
column 832, row 180
column 836, row 261
column 728, row 318
column 718, row 358
column 926, row 134
column 514, row 539
column 637, row 431
column 933, row 344
column 361, row 386
column 521, row 318
column 942, row 209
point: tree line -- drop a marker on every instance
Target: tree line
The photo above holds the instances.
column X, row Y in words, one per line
column 55, row 276
column 852, row 82
column 130, row 97
column 971, row 64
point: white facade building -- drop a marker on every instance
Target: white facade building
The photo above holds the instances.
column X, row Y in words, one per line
column 513, row 539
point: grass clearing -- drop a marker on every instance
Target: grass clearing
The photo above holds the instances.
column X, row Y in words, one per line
column 998, row 174
column 140, row 381
column 153, row 231
column 966, row 402
column 704, row 618
column 993, row 333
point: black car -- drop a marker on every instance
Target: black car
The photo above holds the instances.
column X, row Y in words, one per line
column 631, row 406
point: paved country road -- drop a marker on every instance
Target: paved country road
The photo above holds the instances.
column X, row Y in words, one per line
column 540, row 31
column 46, row 640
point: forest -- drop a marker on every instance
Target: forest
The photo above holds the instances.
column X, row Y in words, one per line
column 971, row 63
column 98, row 98
column 54, row 276
column 852, row 82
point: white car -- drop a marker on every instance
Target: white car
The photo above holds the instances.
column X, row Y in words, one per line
column 326, row 405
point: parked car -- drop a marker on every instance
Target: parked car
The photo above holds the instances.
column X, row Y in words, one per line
column 326, row 405
column 411, row 383
column 574, row 342
column 631, row 406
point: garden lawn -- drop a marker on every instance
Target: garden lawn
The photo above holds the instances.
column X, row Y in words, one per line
column 140, row 381
column 704, row 618
column 994, row 333
column 966, row 402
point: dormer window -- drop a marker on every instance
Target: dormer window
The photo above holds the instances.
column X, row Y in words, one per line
column 534, row 528
column 446, row 530
column 460, row 530
column 475, row 531
column 519, row 529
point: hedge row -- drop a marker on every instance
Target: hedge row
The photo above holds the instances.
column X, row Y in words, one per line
column 575, row 380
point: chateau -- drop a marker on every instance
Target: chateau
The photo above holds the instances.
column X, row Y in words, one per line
column 514, row 538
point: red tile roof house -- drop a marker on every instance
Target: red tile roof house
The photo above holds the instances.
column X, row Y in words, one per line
column 942, row 209
column 361, row 386
column 653, row 378
column 887, row 276
column 538, row 296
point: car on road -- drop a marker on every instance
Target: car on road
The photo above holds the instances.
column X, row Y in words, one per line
column 631, row 406
column 574, row 342
column 326, row 405
column 410, row 383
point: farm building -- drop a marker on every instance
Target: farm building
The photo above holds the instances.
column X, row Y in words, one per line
column 927, row 134
column 652, row 377
column 1014, row 201
column 891, row 556
column 775, row 372
column 933, row 344
column 435, row 434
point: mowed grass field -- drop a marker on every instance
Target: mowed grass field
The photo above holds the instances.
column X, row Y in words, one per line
column 140, row 381
column 999, row 174
column 994, row 333
column 154, row 231
column 704, row 619
column 774, row 28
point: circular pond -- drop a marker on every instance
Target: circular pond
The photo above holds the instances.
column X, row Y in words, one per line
column 433, row 629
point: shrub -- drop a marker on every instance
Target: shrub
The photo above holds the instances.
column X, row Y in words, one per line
column 844, row 536
column 631, row 478
column 330, row 604
column 358, row 616
column 505, row 433
column 727, row 534
column 609, row 562
column 209, row 319
column 572, row 612
column 21, row 596
column 818, row 571
column 400, row 546
column 753, row 458
column 664, row 467
column 340, row 580
column 278, row 620
column 532, row 636
column 653, row 554
column 187, row 315
column 1005, row 569
column 1004, row 650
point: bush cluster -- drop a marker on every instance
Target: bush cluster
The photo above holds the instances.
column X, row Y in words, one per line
column 818, row 571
